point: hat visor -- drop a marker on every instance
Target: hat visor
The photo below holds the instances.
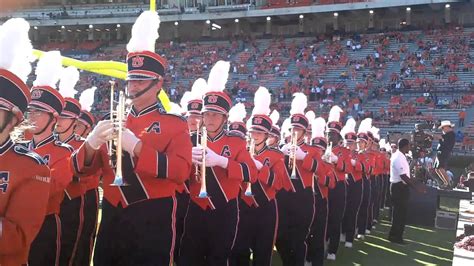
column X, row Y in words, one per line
column 139, row 77
column 258, row 129
column 446, row 125
column 299, row 126
column 213, row 110
column 38, row 108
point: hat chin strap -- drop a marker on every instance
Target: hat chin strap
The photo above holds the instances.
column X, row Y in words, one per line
column 140, row 93
column 69, row 127
column 46, row 127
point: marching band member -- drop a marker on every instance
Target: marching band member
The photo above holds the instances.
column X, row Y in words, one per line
column 296, row 208
column 324, row 181
column 192, row 103
column 354, row 183
column 72, row 207
column 43, row 112
column 378, row 171
column 365, row 160
column 372, row 152
column 274, row 135
column 24, row 176
column 258, row 213
column 157, row 159
column 337, row 196
column 213, row 214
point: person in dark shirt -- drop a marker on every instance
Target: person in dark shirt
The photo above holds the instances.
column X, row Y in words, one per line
column 445, row 148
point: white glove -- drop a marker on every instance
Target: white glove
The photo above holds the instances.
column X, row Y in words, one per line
column 197, row 155
column 333, row 158
column 129, row 141
column 214, row 159
column 258, row 164
column 326, row 158
column 285, row 149
column 103, row 132
column 353, row 162
column 300, row 154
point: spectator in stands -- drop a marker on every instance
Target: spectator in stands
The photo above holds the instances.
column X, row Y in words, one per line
column 462, row 116
column 445, row 148
column 459, row 136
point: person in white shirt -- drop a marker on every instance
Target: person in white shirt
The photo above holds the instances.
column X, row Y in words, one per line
column 399, row 192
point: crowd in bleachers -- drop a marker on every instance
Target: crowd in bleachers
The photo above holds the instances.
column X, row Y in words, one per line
column 352, row 71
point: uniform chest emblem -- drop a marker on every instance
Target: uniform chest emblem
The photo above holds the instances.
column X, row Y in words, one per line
column 225, row 151
column 266, row 162
column 46, row 159
column 154, row 128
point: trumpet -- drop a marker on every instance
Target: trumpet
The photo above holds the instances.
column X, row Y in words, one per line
column 117, row 116
column 248, row 190
column 327, row 154
column 292, row 156
column 203, row 191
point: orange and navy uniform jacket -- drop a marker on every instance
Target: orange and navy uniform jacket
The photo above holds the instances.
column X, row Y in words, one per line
column 57, row 156
column 24, row 192
column 386, row 165
column 378, row 163
column 270, row 176
column 370, row 165
column 164, row 161
column 324, row 175
column 307, row 168
column 343, row 167
column 75, row 188
column 358, row 168
column 363, row 165
column 222, row 184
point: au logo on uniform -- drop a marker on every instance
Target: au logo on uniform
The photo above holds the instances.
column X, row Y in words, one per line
column 4, row 179
column 154, row 127
column 225, row 151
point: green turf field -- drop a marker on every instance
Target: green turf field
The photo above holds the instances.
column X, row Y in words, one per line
column 425, row 246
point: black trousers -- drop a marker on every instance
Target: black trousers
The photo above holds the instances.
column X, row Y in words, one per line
column 400, row 194
column 317, row 236
column 386, row 199
column 362, row 216
column 372, row 200
column 353, row 203
column 146, row 233
column 86, row 240
column 298, row 209
column 103, row 251
column 378, row 203
column 209, row 235
column 337, row 204
column 72, row 222
column 46, row 247
column 256, row 233
column 182, row 209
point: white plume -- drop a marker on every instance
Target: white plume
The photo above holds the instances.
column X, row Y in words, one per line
column 237, row 113
column 175, row 109
column 365, row 125
column 48, row 69
column 335, row 114
column 144, row 32
column 87, row 98
column 382, row 143
column 69, row 78
column 198, row 89
column 275, row 116
column 348, row 127
column 248, row 124
column 286, row 128
column 318, row 126
column 218, row 76
column 15, row 47
column 375, row 132
column 262, row 100
column 299, row 103
column 185, row 100
column 310, row 115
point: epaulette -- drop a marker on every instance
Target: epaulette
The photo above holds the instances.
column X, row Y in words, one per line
column 22, row 150
column 174, row 115
column 233, row 134
column 64, row 145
